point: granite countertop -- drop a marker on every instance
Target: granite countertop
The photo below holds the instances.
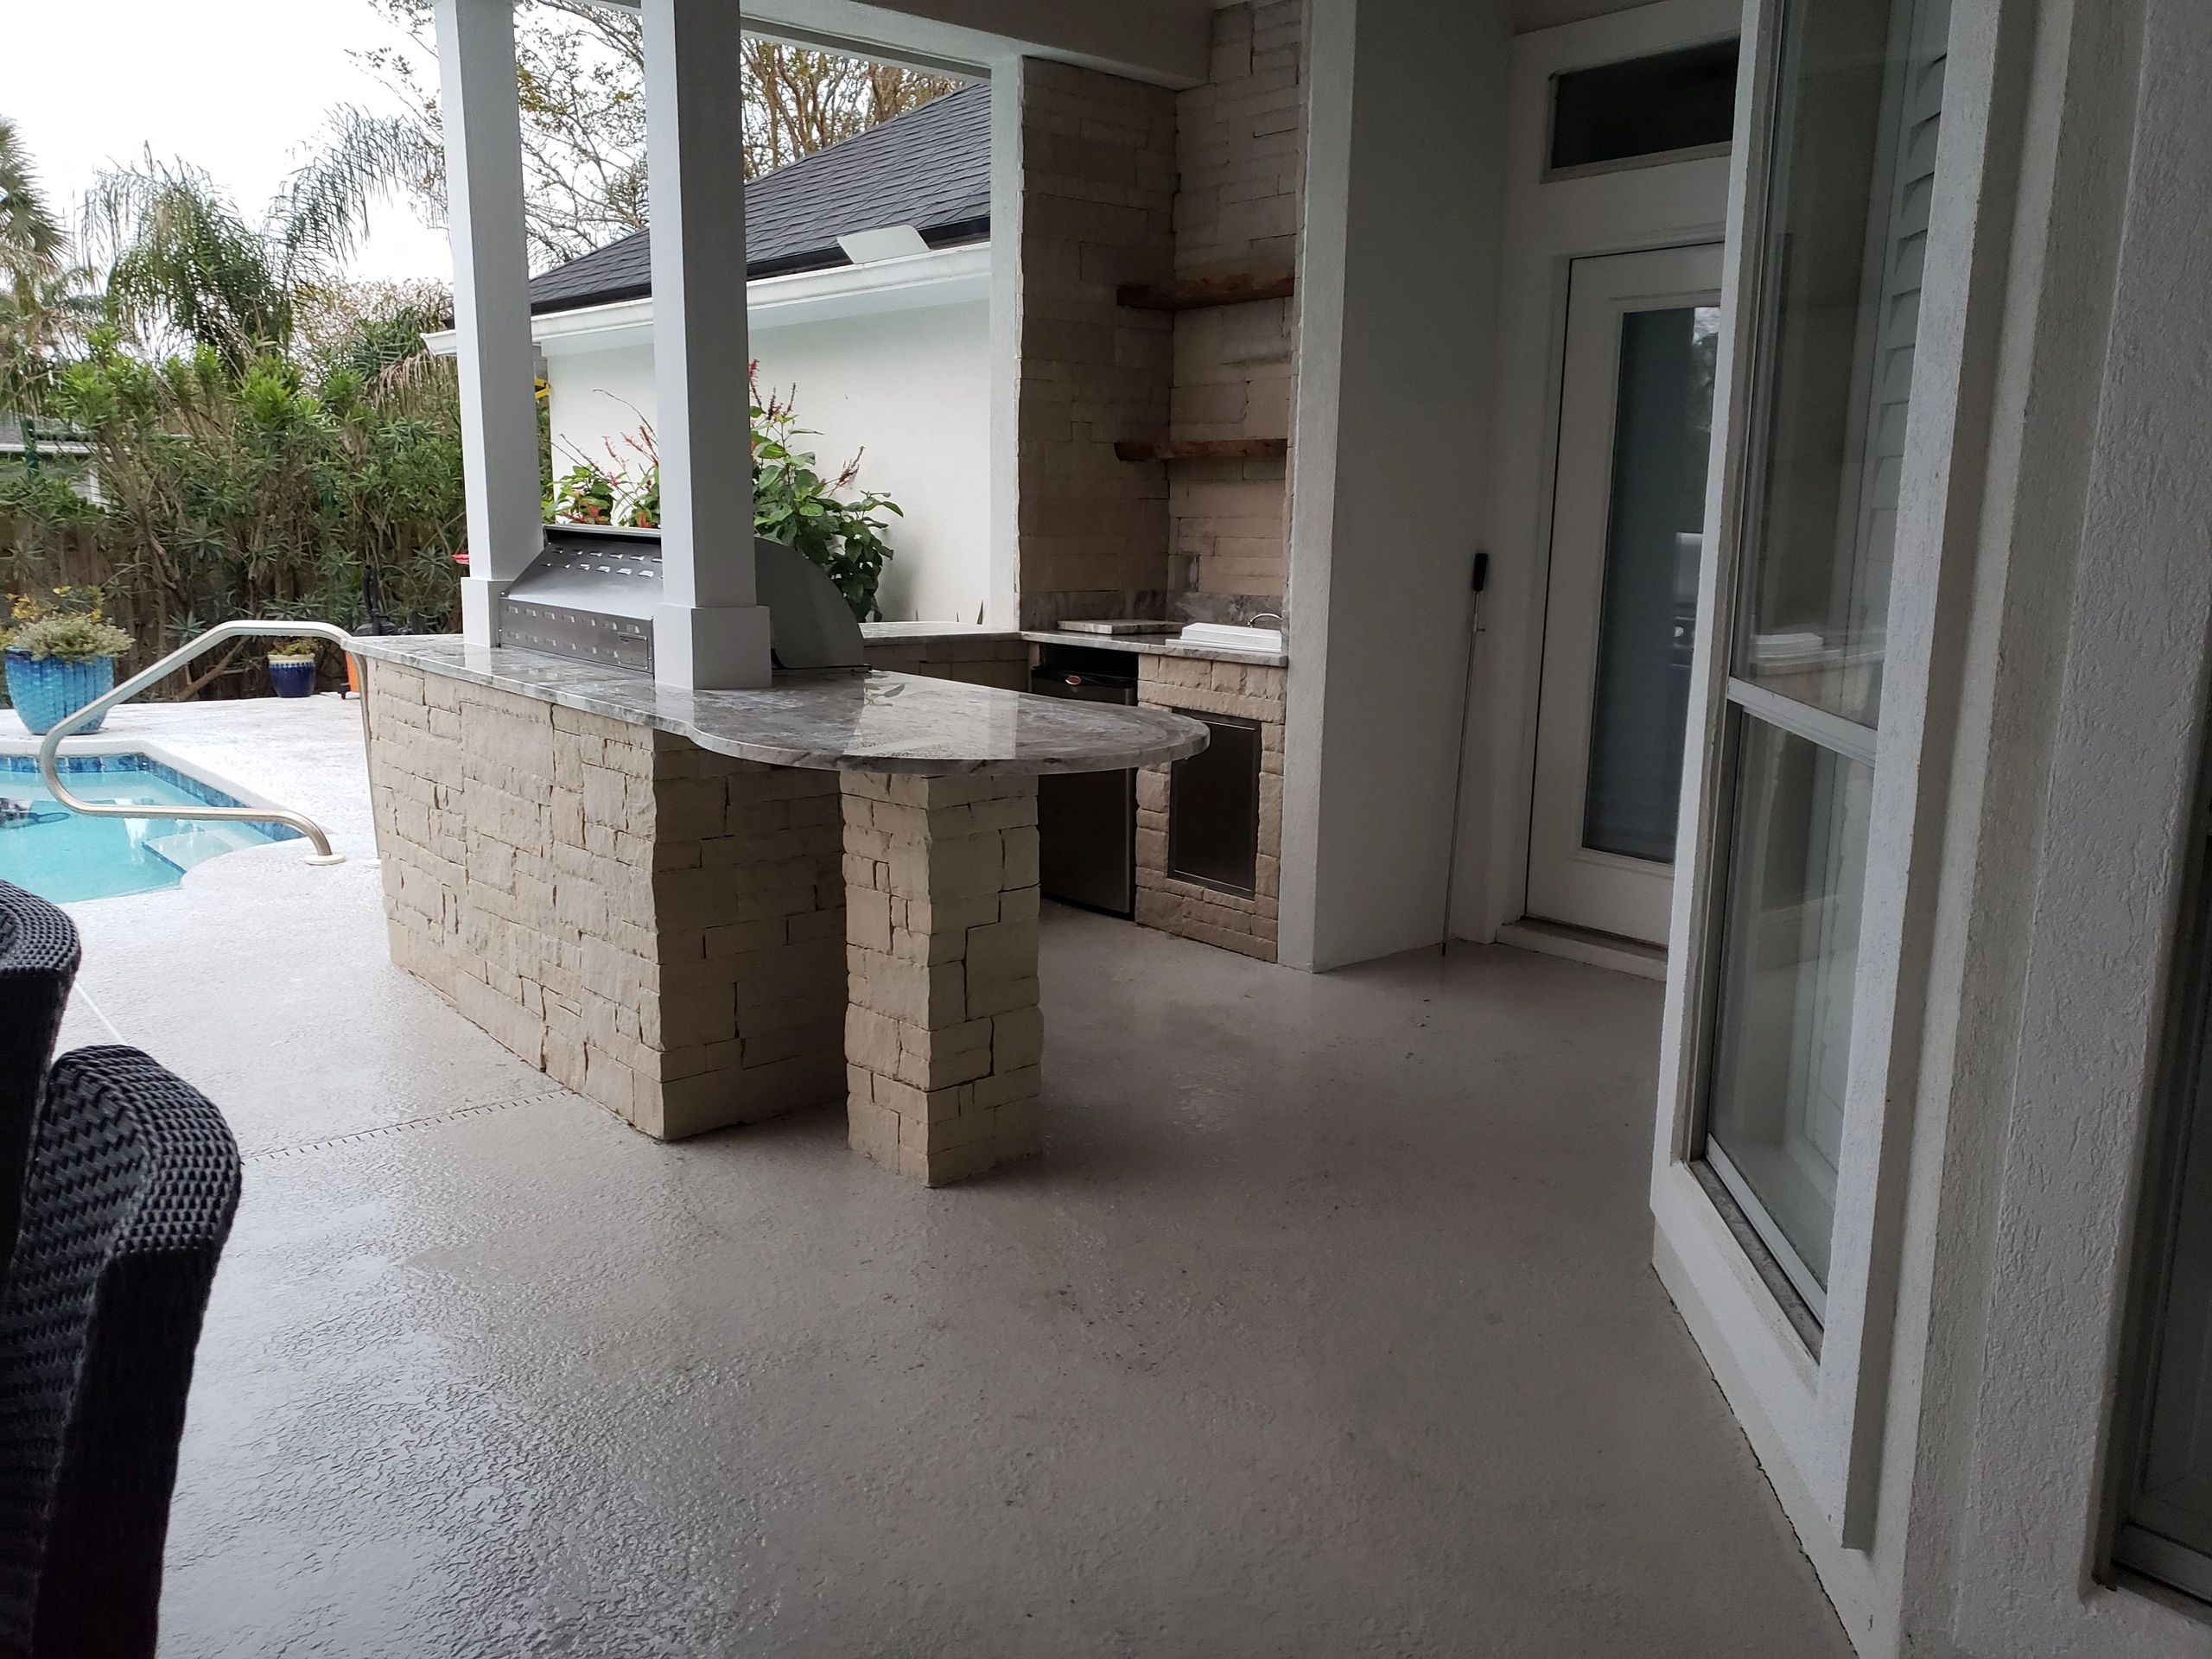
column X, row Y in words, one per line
column 1148, row 644
column 842, row 719
column 1156, row 644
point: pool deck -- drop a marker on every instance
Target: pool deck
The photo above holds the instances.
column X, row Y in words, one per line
column 1326, row 1326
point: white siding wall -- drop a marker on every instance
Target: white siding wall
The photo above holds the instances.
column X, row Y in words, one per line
column 911, row 388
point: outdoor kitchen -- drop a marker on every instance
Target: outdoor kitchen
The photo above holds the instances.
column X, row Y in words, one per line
column 708, row 907
column 707, row 851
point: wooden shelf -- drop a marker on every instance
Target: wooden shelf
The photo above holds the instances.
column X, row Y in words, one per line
column 1191, row 292
column 1200, row 448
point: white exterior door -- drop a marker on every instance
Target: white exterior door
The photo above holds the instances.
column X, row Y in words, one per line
column 1628, row 512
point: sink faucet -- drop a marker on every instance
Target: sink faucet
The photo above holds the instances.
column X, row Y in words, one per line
column 1274, row 617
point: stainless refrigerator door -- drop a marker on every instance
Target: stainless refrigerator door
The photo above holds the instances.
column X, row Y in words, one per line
column 1086, row 821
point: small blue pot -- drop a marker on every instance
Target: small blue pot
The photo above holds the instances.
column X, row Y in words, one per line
column 292, row 678
column 47, row 690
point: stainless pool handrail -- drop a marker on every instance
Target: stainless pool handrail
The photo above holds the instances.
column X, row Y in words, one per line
column 49, row 751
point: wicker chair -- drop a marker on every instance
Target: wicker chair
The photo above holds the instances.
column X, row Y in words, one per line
column 38, row 963
column 133, row 1180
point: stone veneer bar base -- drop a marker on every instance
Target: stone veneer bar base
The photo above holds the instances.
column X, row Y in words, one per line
column 1234, row 921
column 656, row 926
column 942, row 1032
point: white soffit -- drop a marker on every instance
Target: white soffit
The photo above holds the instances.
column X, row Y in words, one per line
column 943, row 276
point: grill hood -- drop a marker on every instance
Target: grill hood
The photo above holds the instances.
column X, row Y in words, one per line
column 593, row 592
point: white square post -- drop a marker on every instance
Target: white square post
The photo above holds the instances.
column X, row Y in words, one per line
column 709, row 633
column 490, row 291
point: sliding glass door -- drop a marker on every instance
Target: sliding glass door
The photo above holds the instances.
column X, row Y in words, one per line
column 2164, row 1460
column 1831, row 323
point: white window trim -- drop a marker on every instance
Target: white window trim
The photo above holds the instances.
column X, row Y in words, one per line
column 2110, row 873
column 1817, row 1419
column 1550, row 221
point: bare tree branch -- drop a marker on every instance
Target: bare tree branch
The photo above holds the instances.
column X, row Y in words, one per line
column 580, row 73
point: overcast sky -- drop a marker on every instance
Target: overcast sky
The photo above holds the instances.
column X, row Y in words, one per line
column 236, row 86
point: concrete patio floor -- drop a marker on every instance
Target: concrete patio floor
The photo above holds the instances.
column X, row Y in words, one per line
column 1325, row 1325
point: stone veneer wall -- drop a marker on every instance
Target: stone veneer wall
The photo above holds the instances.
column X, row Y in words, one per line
column 944, row 1037
column 1240, row 151
column 1195, row 686
column 657, row 927
column 997, row 661
column 1098, row 202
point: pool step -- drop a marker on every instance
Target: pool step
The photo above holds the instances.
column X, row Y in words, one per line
column 188, row 847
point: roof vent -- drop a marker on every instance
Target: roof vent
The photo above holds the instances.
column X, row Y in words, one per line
column 892, row 242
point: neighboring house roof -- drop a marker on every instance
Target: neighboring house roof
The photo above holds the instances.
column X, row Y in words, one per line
column 930, row 168
column 53, row 439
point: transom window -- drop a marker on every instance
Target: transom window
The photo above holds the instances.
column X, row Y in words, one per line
column 1658, row 107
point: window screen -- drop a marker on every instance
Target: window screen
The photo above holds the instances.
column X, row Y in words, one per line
column 1645, row 106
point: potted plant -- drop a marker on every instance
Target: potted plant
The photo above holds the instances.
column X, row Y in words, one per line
column 291, row 668
column 58, row 659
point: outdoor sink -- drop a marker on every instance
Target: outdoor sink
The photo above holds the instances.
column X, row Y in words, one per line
column 1229, row 637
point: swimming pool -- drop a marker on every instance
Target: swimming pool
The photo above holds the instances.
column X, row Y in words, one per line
column 63, row 856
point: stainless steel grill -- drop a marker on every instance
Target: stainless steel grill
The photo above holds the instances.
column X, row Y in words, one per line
column 593, row 592
column 590, row 593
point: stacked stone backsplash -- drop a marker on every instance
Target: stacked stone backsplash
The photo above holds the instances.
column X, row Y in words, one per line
column 1127, row 184
column 1098, row 191
column 992, row 660
column 657, row 927
column 1240, row 153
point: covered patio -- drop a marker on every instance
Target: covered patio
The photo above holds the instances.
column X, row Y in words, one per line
column 1330, row 1329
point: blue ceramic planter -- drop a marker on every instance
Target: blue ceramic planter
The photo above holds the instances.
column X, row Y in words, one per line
column 47, row 690
column 292, row 678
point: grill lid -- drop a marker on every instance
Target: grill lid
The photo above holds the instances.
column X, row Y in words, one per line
column 592, row 594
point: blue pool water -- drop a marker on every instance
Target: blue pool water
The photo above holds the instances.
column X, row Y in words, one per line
column 65, row 856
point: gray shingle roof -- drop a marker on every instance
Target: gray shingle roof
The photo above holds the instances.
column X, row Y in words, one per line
column 930, row 168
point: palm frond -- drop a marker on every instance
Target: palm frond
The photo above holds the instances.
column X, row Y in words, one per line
column 32, row 244
column 181, row 262
column 323, row 211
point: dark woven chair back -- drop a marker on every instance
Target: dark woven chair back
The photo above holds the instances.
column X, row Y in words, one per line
column 38, row 963
column 134, row 1179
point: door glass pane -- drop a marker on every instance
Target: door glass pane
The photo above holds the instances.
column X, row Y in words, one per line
column 1655, row 533
column 1789, row 954
column 1861, row 91
column 2168, row 1528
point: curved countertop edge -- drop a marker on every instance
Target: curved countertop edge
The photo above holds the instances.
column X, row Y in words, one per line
column 1088, row 736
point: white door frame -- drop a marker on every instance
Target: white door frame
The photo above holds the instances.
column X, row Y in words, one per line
column 1549, row 223
column 1568, row 882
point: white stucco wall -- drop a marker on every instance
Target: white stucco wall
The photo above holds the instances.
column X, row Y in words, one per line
column 1397, row 291
column 911, row 388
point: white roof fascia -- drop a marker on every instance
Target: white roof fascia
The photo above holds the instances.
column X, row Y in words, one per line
column 942, row 277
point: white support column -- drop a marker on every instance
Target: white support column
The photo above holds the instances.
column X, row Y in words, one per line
column 708, row 633
column 491, row 289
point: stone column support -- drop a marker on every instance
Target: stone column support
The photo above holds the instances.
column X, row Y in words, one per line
column 943, row 1031
column 491, row 296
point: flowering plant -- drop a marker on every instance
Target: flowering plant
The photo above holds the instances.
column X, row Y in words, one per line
column 68, row 628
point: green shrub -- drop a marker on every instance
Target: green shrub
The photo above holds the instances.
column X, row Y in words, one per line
column 792, row 502
column 272, row 489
